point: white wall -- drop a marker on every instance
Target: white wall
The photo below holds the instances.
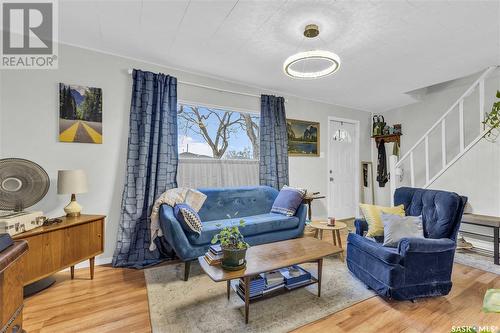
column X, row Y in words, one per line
column 29, row 127
column 477, row 174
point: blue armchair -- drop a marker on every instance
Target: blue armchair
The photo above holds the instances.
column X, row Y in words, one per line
column 417, row 267
column 227, row 206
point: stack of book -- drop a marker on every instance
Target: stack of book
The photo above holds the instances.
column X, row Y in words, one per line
column 256, row 288
column 274, row 281
column 287, row 278
column 214, row 255
column 295, row 276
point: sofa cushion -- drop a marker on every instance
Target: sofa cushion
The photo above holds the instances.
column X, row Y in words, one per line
column 288, row 200
column 373, row 250
column 254, row 225
column 237, row 202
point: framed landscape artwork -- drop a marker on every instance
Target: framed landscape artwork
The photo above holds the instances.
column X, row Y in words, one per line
column 303, row 137
column 80, row 114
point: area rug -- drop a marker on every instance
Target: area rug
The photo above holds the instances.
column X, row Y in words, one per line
column 477, row 260
column 201, row 305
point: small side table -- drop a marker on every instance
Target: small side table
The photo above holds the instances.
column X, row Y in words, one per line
column 320, row 226
column 308, row 199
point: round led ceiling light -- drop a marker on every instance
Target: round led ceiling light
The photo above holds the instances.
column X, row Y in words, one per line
column 311, row 64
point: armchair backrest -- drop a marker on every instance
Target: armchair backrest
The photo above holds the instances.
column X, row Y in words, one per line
column 236, row 202
column 441, row 210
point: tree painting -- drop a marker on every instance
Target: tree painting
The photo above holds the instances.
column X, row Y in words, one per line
column 80, row 114
column 303, row 137
column 217, row 133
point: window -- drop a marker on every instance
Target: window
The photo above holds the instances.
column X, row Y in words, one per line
column 342, row 135
column 212, row 133
column 217, row 148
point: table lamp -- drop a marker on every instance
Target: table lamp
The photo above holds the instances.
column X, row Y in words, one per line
column 72, row 182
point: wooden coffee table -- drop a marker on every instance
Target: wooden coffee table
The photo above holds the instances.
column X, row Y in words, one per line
column 268, row 257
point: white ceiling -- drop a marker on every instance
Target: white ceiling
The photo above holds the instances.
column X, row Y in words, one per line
column 387, row 48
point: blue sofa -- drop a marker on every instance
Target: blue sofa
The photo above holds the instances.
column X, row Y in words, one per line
column 227, row 206
column 417, row 267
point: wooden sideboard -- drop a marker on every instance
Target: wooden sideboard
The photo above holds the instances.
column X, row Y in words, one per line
column 61, row 245
column 11, row 287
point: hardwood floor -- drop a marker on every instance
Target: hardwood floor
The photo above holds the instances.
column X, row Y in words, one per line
column 461, row 307
column 116, row 301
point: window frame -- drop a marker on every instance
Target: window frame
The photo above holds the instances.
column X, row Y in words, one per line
column 221, row 108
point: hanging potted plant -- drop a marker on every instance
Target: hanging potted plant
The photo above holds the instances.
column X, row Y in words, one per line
column 493, row 121
column 233, row 246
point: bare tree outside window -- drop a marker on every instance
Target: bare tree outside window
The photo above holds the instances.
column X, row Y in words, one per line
column 213, row 133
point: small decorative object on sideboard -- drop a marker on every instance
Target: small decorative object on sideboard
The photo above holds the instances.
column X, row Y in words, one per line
column 233, row 246
column 72, row 182
column 5, row 241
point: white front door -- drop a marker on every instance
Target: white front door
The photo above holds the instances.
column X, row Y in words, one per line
column 342, row 170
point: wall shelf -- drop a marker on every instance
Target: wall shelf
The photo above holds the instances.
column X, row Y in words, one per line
column 388, row 138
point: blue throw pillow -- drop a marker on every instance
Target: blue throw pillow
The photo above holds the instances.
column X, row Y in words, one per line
column 188, row 218
column 288, row 200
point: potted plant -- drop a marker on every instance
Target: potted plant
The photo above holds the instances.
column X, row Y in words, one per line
column 493, row 121
column 233, row 246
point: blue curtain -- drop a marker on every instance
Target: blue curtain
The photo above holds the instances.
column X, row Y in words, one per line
column 151, row 167
column 273, row 166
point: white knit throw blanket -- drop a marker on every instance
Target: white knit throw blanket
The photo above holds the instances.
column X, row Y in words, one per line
column 172, row 197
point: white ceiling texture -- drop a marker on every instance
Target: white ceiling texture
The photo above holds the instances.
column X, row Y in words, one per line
column 387, row 48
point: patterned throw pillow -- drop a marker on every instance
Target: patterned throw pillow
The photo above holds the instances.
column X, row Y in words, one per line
column 188, row 218
column 288, row 200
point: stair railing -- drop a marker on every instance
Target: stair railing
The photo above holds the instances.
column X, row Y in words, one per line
column 395, row 165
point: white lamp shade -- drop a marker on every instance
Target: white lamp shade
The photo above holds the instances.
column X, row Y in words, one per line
column 71, row 182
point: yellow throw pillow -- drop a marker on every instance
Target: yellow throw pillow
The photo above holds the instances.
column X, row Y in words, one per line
column 373, row 214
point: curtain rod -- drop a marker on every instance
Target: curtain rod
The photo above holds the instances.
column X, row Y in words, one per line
column 130, row 71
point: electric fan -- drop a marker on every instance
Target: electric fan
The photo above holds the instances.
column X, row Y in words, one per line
column 22, row 184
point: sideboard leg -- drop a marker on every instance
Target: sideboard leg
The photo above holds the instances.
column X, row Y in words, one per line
column 72, row 268
column 92, row 262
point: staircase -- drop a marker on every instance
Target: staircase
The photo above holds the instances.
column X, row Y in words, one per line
column 396, row 166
